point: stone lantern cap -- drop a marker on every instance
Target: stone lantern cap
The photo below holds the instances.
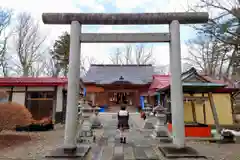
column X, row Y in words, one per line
column 96, row 108
column 147, row 109
column 86, row 107
column 160, row 109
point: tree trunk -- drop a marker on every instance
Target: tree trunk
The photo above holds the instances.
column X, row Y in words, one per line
column 25, row 72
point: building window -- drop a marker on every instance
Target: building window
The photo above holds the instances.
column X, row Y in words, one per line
column 40, row 95
column 4, row 96
column 121, row 98
column 40, row 104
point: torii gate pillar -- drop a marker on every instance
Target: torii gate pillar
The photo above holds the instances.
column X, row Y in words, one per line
column 176, row 90
column 73, row 86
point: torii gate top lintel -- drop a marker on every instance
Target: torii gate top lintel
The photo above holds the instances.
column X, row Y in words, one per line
column 125, row 18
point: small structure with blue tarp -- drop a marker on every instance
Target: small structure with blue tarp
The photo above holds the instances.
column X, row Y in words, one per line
column 84, row 92
column 142, row 102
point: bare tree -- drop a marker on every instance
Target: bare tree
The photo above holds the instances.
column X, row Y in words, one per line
column 224, row 22
column 161, row 69
column 5, row 18
column 143, row 55
column 186, row 66
column 138, row 54
column 224, row 26
column 51, row 68
column 85, row 63
column 45, row 66
column 37, row 69
column 207, row 55
column 28, row 42
column 116, row 58
column 128, row 57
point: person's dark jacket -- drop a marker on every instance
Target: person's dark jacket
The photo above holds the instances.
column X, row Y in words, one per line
column 123, row 117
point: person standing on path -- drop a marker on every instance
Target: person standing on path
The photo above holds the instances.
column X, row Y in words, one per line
column 123, row 126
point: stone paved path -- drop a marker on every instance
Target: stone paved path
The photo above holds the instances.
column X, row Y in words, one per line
column 141, row 146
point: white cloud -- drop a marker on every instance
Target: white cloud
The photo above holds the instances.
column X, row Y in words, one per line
column 161, row 52
column 155, row 6
column 93, row 5
column 99, row 51
column 36, row 8
column 126, row 5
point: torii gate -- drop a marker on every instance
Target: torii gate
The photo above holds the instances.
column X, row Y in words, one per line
column 76, row 20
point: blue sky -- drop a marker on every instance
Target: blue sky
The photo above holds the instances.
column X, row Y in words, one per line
column 101, row 52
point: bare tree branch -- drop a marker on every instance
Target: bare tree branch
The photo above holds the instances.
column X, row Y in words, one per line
column 138, row 54
column 116, row 58
column 128, row 55
column 207, row 55
column 161, row 69
column 28, row 42
column 5, row 18
column 86, row 62
column 224, row 28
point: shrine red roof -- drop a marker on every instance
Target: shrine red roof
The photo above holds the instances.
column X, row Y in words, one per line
column 163, row 81
column 160, row 81
column 32, row 81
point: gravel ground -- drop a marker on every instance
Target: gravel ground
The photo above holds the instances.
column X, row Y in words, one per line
column 215, row 151
column 41, row 143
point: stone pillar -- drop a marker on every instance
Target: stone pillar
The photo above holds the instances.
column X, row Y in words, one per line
column 176, row 86
column 73, row 87
column 93, row 96
column 137, row 98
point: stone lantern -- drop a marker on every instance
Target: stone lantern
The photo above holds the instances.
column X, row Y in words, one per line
column 80, row 104
column 85, row 134
column 96, row 123
column 160, row 129
column 147, row 123
column 86, row 110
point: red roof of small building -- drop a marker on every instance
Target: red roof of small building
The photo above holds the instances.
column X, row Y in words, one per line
column 160, row 81
column 163, row 81
column 218, row 81
column 33, row 81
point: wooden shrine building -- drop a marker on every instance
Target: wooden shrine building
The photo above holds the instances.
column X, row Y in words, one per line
column 112, row 85
column 202, row 97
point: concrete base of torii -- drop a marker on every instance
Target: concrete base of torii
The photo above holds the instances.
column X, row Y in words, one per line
column 68, row 152
column 96, row 123
column 148, row 123
column 172, row 151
